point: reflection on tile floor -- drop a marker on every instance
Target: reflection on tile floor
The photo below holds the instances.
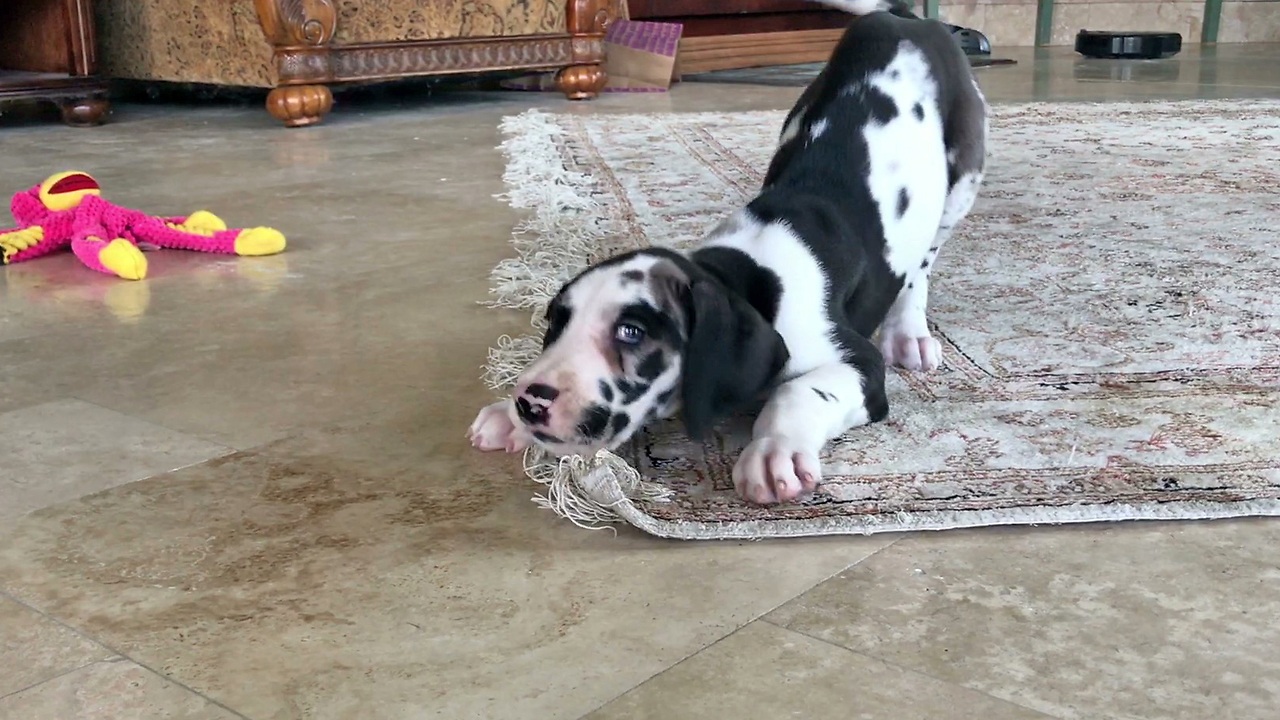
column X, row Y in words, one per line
column 240, row 488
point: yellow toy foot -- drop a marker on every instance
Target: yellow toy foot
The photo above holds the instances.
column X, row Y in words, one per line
column 202, row 222
column 124, row 259
column 259, row 241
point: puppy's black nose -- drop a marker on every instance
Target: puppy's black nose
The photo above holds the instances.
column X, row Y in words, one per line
column 532, row 405
column 529, row 413
column 542, row 392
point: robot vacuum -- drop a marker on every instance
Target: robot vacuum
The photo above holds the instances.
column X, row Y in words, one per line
column 1137, row 45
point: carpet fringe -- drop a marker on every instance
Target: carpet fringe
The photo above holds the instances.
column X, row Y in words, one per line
column 507, row 359
column 568, row 227
column 566, row 231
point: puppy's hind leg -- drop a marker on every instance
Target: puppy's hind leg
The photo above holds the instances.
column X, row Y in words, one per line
column 905, row 339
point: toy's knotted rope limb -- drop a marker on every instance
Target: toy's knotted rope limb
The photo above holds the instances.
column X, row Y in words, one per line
column 587, row 491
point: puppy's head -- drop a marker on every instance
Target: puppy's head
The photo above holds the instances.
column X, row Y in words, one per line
column 635, row 338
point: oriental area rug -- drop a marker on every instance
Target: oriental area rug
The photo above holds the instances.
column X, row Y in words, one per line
column 1109, row 314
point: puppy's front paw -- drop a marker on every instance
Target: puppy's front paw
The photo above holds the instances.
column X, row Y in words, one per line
column 909, row 350
column 775, row 469
column 493, row 429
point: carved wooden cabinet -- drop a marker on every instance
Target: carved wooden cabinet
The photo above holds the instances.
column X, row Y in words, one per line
column 302, row 33
column 47, row 52
column 300, row 48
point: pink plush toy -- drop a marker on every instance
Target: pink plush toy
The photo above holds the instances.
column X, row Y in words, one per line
column 67, row 209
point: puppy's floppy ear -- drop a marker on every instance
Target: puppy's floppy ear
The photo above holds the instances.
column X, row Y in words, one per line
column 733, row 354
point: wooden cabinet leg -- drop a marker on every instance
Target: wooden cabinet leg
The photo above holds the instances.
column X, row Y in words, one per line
column 298, row 105
column 85, row 111
column 581, row 82
column 587, row 22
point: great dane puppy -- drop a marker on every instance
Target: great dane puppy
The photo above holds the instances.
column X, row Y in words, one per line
column 879, row 159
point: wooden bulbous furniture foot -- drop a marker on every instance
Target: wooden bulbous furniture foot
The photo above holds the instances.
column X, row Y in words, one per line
column 299, row 105
column 84, row 112
column 581, row 82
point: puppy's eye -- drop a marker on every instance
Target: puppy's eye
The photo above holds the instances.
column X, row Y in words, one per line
column 628, row 334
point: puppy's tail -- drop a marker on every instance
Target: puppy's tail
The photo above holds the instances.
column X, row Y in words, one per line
column 866, row 7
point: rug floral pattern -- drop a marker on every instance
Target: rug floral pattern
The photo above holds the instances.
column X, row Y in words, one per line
column 1110, row 316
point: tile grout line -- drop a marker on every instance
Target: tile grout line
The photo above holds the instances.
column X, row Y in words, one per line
column 846, row 568
column 757, row 618
column 53, row 677
column 120, row 655
column 230, row 450
column 912, row 671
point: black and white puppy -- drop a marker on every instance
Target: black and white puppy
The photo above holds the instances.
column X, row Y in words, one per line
column 879, row 159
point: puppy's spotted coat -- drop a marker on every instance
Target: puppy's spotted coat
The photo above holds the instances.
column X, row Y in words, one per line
column 879, row 159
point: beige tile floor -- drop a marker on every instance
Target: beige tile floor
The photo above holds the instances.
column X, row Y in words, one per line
column 240, row 488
